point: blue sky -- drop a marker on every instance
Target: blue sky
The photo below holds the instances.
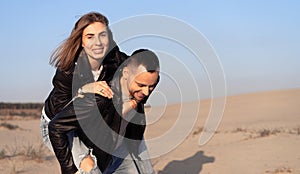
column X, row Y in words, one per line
column 257, row 42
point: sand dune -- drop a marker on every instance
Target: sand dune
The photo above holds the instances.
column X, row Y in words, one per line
column 259, row 134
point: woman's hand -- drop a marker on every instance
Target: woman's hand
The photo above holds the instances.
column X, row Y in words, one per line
column 99, row 87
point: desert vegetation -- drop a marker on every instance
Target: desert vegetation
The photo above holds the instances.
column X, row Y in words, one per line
column 20, row 110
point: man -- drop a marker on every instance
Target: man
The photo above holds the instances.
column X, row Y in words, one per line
column 112, row 128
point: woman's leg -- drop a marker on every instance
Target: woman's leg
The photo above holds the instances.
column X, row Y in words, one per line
column 83, row 158
column 44, row 121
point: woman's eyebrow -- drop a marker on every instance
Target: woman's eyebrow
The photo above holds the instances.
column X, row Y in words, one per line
column 92, row 34
column 89, row 34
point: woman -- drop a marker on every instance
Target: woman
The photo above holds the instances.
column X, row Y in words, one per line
column 91, row 38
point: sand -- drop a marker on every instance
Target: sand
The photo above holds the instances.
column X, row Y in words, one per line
column 259, row 134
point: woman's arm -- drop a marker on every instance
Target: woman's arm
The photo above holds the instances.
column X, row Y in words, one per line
column 99, row 87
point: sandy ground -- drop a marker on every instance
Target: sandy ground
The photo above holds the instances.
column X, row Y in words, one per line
column 259, row 134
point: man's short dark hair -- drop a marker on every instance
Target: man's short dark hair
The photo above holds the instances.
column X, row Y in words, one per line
column 144, row 57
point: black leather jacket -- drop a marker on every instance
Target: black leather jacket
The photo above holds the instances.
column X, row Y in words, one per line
column 59, row 101
column 66, row 83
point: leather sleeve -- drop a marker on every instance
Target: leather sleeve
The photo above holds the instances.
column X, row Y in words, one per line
column 60, row 95
column 66, row 121
column 63, row 122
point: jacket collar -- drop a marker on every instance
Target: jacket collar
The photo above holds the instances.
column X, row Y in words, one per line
column 83, row 68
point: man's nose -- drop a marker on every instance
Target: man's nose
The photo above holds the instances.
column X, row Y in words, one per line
column 145, row 91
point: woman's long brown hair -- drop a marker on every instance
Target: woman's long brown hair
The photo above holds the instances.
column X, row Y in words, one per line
column 65, row 54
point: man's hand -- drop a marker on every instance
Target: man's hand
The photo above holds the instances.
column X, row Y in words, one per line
column 128, row 105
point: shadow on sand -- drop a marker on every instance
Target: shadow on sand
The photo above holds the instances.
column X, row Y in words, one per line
column 191, row 165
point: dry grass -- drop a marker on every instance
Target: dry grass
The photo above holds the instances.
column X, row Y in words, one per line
column 9, row 126
column 20, row 114
column 266, row 132
column 280, row 170
column 198, row 131
column 29, row 152
column 17, row 153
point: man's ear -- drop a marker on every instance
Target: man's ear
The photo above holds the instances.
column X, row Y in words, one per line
column 125, row 73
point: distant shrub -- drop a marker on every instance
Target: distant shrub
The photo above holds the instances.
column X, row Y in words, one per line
column 29, row 151
column 21, row 105
column 9, row 126
column 3, row 154
column 264, row 133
